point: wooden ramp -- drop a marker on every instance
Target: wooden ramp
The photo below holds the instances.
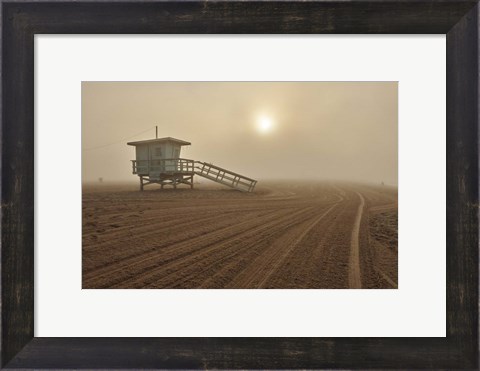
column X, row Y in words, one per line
column 224, row 176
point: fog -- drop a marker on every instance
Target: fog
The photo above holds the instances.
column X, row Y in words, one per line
column 263, row 130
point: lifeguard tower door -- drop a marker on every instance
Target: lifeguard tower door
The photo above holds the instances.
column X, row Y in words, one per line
column 157, row 166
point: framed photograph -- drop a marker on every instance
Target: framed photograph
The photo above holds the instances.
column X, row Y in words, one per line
column 240, row 185
column 199, row 224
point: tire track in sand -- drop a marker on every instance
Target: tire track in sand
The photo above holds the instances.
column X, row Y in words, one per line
column 250, row 245
column 278, row 259
column 386, row 278
column 354, row 279
column 200, row 250
column 116, row 269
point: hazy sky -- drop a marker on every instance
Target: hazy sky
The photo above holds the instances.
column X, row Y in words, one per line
column 272, row 130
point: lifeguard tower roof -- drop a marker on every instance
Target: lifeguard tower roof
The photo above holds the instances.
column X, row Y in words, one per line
column 160, row 140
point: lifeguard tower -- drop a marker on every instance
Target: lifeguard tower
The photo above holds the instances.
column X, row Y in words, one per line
column 158, row 161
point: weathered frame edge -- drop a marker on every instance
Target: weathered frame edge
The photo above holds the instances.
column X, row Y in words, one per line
column 462, row 39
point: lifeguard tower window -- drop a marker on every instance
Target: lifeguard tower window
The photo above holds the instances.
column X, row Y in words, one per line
column 158, row 151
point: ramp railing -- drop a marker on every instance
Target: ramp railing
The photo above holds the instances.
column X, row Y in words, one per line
column 224, row 176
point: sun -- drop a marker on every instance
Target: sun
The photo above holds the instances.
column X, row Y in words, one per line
column 264, row 124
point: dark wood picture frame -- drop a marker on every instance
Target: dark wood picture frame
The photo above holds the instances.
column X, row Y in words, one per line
column 21, row 20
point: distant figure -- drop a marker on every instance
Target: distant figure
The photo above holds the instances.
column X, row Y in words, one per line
column 100, row 180
column 383, row 183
